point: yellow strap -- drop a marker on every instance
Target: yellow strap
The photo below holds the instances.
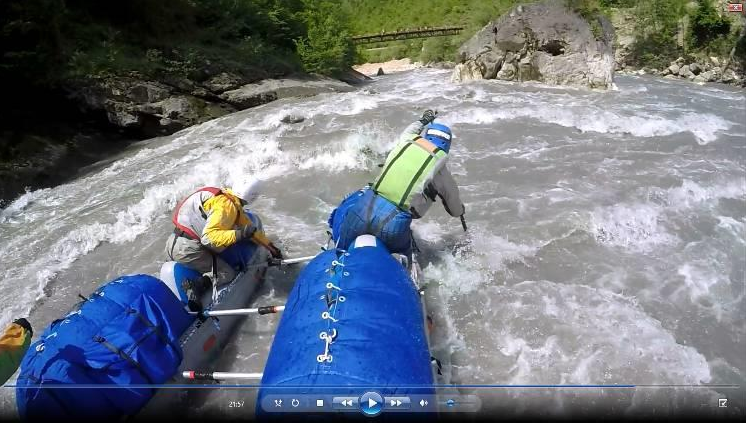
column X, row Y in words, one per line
column 426, row 145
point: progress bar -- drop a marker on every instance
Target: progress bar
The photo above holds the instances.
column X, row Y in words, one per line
column 332, row 387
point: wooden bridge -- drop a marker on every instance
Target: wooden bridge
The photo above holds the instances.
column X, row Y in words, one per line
column 406, row 34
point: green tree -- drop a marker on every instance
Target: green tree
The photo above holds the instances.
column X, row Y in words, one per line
column 707, row 25
column 327, row 49
column 617, row 3
column 656, row 27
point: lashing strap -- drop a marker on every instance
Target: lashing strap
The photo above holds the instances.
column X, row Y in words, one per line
column 101, row 340
column 391, row 163
column 414, row 180
column 158, row 332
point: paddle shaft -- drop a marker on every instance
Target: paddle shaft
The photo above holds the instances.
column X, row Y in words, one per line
column 463, row 222
column 290, row 261
column 242, row 311
column 198, row 375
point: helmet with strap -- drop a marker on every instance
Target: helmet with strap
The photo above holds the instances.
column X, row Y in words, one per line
column 440, row 135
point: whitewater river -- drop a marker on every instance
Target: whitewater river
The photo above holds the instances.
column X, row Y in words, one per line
column 606, row 243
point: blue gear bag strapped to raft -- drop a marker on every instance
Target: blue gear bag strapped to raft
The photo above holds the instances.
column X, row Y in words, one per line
column 352, row 321
column 127, row 332
column 364, row 212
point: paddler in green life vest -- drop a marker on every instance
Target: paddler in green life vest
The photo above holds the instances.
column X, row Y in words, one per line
column 211, row 229
column 14, row 342
column 414, row 175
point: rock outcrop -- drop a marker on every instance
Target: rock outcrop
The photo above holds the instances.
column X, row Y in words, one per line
column 543, row 42
column 93, row 118
column 252, row 95
column 150, row 108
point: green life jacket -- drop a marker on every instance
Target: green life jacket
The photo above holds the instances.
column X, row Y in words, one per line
column 405, row 170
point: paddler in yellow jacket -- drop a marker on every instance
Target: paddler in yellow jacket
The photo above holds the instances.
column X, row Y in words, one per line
column 14, row 342
column 209, row 221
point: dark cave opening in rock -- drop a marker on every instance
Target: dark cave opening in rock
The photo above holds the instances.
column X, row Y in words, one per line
column 553, row 47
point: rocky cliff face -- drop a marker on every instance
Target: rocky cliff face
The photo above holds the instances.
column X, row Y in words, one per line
column 96, row 117
column 543, row 42
column 152, row 108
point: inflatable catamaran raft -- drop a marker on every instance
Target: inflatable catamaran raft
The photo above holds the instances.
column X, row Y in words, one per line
column 354, row 321
column 132, row 334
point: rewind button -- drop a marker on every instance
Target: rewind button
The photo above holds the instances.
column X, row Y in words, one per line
column 344, row 403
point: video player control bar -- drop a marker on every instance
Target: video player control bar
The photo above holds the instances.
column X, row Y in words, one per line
column 370, row 403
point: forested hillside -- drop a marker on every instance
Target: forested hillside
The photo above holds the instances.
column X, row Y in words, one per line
column 374, row 16
column 45, row 41
column 662, row 30
column 50, row 48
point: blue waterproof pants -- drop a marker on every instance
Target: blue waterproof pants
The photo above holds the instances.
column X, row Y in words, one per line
column 365, row 212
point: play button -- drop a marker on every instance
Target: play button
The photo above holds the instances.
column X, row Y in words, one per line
column 371, row 404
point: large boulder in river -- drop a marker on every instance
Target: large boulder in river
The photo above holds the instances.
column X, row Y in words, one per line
column 545, row 42
column 252, row 95
column 466, row 72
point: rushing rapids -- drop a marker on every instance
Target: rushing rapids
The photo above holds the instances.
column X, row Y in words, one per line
column 606, row 230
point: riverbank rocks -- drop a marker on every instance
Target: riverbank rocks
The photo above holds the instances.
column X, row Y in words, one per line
column 150, row 108
column 543, row 42
column 222, row 82
column 703, row 69
column 251, row 95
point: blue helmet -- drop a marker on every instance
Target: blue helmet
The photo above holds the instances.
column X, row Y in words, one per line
column 440, row 135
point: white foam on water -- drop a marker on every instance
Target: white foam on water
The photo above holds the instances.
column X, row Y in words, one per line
column 703, row 126
column 482, row 260
column 361, row 149
column 637, row 227
column 705, row 284
column 550, row 333
column 16, row 211
column 428, row 230
column 691, row 194
column 634, row 89
column 700, row 279
column 736, row 228
column 345, row 104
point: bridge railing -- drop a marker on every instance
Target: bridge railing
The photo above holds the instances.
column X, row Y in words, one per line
column 409, row 33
